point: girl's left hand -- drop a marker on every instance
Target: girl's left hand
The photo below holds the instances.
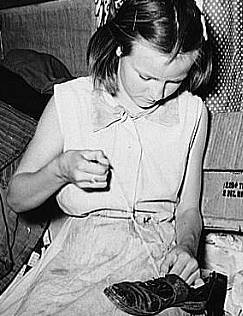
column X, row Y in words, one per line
column 181, row 261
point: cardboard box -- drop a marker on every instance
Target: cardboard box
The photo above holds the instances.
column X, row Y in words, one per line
column 222, row 200
column 225, row 142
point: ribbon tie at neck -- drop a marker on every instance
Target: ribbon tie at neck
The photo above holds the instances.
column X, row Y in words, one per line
column 106, row 112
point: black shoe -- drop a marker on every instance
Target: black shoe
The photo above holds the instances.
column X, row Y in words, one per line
column 153, row 296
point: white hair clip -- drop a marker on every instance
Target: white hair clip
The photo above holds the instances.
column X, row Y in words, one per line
column 199, row 4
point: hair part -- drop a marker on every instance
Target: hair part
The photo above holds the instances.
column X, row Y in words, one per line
column 171, row 27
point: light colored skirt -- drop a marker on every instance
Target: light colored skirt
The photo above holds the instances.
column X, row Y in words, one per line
column 87, row 255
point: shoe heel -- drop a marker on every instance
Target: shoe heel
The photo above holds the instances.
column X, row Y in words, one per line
column 210, row 297
column 215, row 305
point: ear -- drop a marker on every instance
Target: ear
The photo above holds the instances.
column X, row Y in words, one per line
column 118, row 51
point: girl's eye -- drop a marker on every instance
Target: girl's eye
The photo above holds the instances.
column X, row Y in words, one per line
column 144, row 78
column 175, row 82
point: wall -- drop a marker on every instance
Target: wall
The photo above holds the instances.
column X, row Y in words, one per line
column 61, row 28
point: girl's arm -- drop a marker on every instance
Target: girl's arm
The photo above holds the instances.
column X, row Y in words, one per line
column 182, row 259
column 44, row 168
column 188, row 215
column 37, row 176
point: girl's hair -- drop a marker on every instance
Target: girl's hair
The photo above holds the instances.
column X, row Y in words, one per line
column 171, row 26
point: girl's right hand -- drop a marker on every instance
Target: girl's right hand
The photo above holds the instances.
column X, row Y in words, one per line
column 87, row 169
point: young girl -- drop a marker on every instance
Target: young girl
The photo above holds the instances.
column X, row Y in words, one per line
column 122, row 149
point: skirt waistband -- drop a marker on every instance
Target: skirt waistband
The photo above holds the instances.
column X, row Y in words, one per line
column 141, row 217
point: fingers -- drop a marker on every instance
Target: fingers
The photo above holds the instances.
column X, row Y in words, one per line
column 198, row 282
column 183, row 264
column 188, row 271
column 168, row 262
column 85, row 168
column 92, row 169
column 94, row 162
column 96, row 157
column 88, row 177
column 194, row 278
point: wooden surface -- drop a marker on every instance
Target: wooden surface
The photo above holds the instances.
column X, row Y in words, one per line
column 225, row 143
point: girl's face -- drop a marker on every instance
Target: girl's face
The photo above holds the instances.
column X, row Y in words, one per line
column 146, row 75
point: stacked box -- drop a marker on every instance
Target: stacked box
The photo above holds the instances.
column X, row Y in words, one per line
column 222, row 195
